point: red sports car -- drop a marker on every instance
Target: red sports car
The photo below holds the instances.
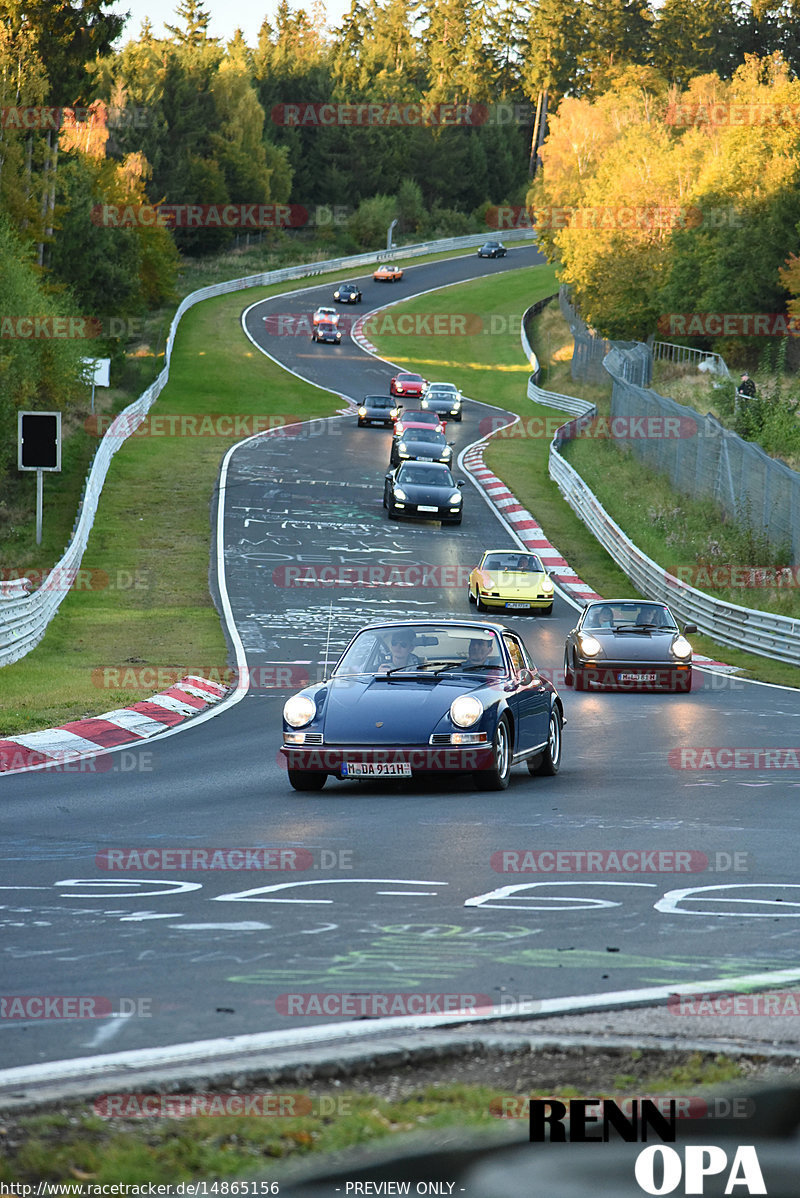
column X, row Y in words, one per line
column 428, row 419
column 408, row 385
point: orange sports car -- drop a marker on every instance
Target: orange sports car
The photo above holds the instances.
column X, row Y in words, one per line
column 388, row 274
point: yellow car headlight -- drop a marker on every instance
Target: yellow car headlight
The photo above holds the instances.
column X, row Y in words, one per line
column 299, row 710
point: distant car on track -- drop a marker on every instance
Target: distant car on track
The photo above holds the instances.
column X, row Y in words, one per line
column 510, row 579
column 492, row 249
column 325, row 314
column 326, row 331
column 377, row 409
column 424, row 489
column 410, row 386
column 444, row 399
column 418, row 698
column 628, row 644
column 420, row 443
column 388, row 273
column 347, row 293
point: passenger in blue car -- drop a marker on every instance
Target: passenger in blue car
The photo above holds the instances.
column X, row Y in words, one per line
column 482, row 654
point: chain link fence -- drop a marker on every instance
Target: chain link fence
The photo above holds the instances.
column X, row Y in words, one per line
column 698, row 454
column 590, row 351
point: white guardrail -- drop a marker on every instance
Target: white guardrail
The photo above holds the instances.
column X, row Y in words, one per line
column 26, row 614
column 765, row 633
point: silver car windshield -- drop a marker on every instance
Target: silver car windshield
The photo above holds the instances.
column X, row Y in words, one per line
column 428, row 648
column 629, row 615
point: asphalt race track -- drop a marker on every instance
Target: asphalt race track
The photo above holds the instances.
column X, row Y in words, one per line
column 400, row 895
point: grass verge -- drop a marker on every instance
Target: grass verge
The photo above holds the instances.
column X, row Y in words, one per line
column 73, row 1144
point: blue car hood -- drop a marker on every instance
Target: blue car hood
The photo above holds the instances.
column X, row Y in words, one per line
column 407, row 709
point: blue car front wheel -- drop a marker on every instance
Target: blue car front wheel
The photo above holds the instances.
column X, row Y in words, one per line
column 496, row 775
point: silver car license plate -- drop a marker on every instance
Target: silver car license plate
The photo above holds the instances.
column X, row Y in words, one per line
column 629, row 677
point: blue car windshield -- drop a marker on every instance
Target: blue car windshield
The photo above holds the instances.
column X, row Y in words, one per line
column 423, row 648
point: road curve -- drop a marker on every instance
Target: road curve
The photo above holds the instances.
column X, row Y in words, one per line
column 401, row 894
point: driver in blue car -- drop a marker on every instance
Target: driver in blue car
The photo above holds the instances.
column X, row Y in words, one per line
column 401, row 644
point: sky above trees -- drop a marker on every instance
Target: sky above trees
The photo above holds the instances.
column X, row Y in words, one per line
column 226, row 15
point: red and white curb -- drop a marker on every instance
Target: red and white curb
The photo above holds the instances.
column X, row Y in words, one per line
column 67, row 744
column 357, row 334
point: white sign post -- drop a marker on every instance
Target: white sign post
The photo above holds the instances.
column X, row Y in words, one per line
column 97, row 372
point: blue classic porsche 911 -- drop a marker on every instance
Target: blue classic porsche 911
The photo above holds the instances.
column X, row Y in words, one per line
column 417, row 697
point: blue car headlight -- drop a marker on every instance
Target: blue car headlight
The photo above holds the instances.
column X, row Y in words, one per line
column 465, row 710
column 299, row 710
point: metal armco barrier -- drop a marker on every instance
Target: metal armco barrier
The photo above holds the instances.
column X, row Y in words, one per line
column 25, row 616
column 765, row 633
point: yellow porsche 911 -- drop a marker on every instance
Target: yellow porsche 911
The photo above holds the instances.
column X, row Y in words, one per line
column 511, row 580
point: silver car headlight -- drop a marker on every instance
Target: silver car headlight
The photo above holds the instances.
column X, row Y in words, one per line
column 465, row 710
column 299, row 710
column 362, row 411
column 590, row 645
column 681, row 647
